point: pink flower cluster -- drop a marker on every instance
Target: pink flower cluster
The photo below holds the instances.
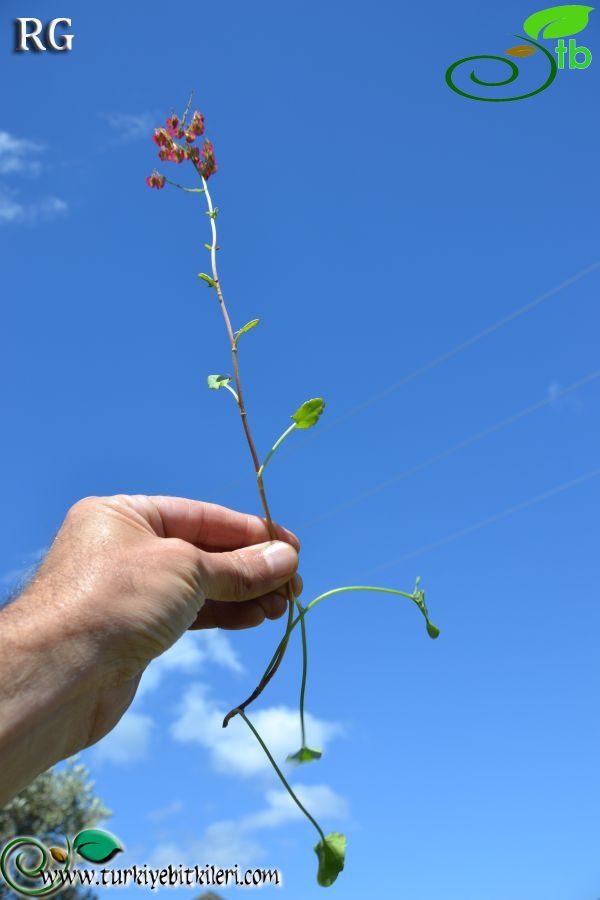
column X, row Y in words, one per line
column 169, row 150
column 156, row 180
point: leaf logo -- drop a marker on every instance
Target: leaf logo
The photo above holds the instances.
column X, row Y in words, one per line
column 520, row 50
column 96, row 845
column 557, row 21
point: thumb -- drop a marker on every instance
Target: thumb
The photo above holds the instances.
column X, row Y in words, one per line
column 247, row 573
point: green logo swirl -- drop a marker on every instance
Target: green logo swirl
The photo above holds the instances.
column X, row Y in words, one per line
column 512, row 77
column 31, row 871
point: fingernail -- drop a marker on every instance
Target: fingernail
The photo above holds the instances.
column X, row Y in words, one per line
column 280, row 558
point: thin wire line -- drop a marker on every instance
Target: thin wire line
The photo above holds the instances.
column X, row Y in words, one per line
column 433, row 363
column 449, row 451
column 459, row 348
column 497, row 517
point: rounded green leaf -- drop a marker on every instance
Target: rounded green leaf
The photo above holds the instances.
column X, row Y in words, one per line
column 331, row 854
column 308, row 414
column 218, row 381
column 210, row 281
column 557, row 21
column 304, row 754
column 96, row 845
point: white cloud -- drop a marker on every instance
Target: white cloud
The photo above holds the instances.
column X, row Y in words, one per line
column 52, row 206
column 15, row 211
column 230, row 842
column 10, row 210
column 319, row 799
column 560, row 398
column 221, row 845
column 219, row 650
column 131, row 126
column 127, row 742
column 165, row 812
column 191, row 652
column 235, row 749
column 16, row 155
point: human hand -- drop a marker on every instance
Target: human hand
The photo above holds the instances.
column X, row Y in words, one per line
column 125, row 577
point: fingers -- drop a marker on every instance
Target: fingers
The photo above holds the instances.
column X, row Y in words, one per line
column 247, row 573
column 234, row 616
column 249, row 613
column 214, row 527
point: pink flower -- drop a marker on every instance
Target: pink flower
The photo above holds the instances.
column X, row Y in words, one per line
column 208, row 166
column 156, row 180
column 171, row 151
column 196, row 127
column 174, row 128
column 161, row 138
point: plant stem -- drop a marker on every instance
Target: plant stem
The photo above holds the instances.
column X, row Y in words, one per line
column 187, row 109
column 182, row 188
column 257, row 468
column 304, row 670
column 231, row 391
column 279, row 441
column 358, row 587
column 280, row 773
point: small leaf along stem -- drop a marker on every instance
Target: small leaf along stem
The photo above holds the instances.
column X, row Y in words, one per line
column 257, row 467
column 282, row 777
column 330, row 849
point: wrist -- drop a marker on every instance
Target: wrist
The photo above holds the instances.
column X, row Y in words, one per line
column 46, row 676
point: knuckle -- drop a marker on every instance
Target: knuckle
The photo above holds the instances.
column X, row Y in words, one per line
column 83, row 505
column 178, row 547
column 242, row 581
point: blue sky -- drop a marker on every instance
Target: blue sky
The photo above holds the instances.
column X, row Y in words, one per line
column 385, row 230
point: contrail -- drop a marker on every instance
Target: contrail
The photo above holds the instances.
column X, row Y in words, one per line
column 449, row 451
column 471, row 529
column 432, row 364
column 459, row 348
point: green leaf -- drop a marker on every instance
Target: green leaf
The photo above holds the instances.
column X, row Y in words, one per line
column 557, row 21
column 247, row 327
column 304, row 754
column 432, row 630
column 218, row 381
column 331, row 853
column 210, row 281
column 96, row 845
column 210, row 246
column 308, row 414
column 419, row 597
